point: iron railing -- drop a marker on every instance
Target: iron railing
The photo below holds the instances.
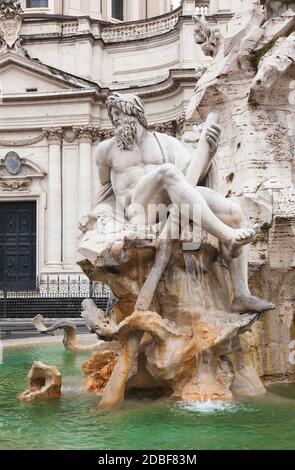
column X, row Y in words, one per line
column 52, row 297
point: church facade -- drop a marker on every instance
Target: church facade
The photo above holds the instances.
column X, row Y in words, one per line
column 106, row 10
column 58, row 62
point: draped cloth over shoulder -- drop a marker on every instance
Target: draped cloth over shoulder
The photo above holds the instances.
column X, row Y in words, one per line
column 174, row 154
column 105, row 203
column 104, row 194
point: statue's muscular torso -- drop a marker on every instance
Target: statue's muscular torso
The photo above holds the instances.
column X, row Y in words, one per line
column 125, row 168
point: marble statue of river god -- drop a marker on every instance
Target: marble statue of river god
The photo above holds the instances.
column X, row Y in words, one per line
column 145, row 169
column 179, row 332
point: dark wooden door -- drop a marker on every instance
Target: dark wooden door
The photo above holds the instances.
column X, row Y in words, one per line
column 18, row 244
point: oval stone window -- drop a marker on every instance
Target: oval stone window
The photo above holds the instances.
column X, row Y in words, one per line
column 12, row 163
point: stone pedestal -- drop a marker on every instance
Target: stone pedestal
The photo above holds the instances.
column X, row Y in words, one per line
column 187, row 345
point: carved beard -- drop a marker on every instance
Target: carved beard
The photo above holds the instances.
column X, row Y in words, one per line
column 125, row 133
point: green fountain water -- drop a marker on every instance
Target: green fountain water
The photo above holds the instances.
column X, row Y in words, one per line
column 73, row 422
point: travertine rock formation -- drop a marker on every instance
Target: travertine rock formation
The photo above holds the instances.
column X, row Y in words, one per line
column 98, row 370
column 189, row 347
column 251, row 82
column 44, row 382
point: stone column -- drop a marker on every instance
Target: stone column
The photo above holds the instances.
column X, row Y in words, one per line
column 54, row 202
column 84, row 172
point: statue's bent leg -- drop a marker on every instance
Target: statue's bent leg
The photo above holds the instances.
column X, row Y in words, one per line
column 167, row 179
column 231, row 213
column 225, row 209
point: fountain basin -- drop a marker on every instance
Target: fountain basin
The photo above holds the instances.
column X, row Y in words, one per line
column 74, row 422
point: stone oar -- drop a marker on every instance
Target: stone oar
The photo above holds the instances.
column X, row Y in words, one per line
column 199, row 166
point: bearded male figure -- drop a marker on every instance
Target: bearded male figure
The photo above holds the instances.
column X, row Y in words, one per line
column 142, row 168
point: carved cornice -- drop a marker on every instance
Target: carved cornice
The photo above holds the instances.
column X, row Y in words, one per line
column 174, row 127
column 54, row 135
column 176, row 79
column 89, row 134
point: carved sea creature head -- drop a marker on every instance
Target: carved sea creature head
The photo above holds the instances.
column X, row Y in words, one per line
column 44, row 382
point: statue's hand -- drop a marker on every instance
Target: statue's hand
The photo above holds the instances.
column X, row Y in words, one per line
column 85, row 221
column 213, row 137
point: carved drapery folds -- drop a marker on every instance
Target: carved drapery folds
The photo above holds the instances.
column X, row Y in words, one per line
column 10, row 24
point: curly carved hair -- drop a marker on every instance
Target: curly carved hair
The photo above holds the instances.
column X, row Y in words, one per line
column 129, row 104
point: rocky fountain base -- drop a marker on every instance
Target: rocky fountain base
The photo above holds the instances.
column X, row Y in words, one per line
column 187, row 346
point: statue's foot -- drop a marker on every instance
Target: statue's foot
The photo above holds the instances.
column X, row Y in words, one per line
column 242, row 237
column 250, row 304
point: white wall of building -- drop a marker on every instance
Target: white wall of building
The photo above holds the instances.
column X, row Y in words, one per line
column 110, row 64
